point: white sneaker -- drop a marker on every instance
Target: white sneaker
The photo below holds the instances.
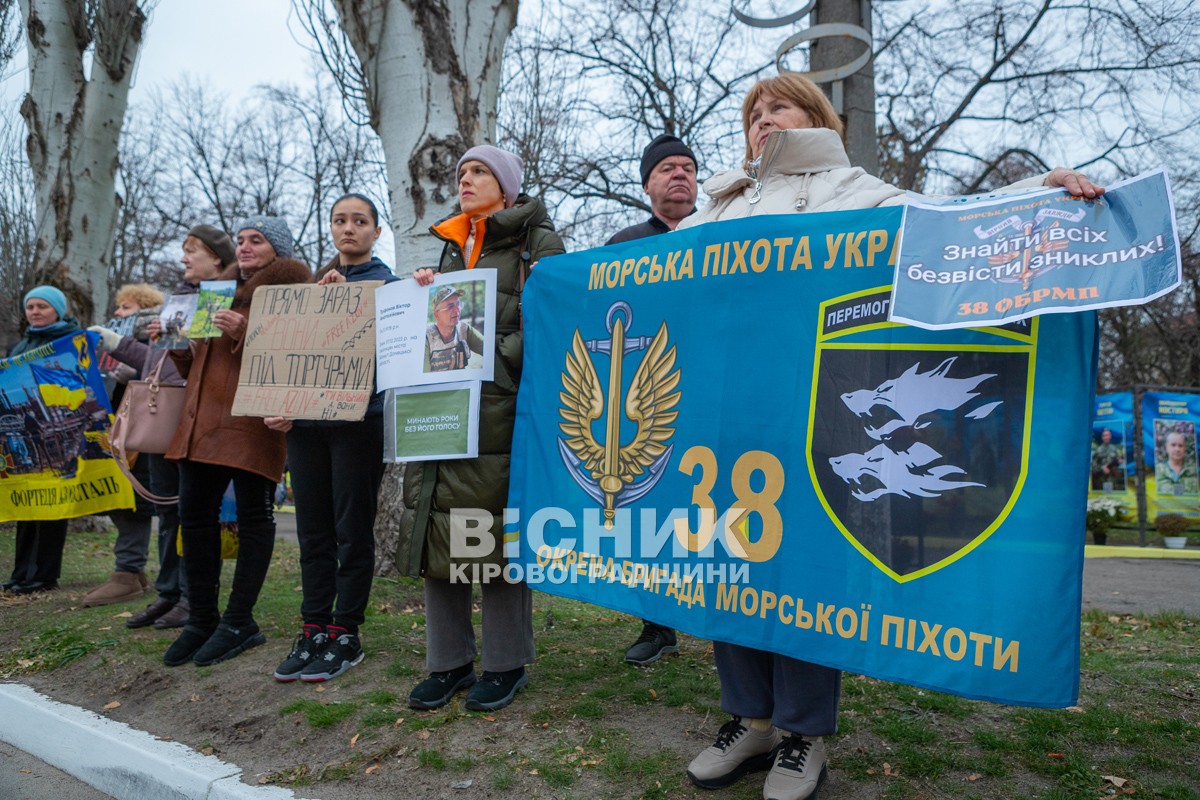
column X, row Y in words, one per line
column 737, row 751
column 799, row 770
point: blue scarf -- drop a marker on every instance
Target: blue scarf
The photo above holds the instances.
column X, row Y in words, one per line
column 54, row 327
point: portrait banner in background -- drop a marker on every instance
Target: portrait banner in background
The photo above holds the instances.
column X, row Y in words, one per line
column 309, row 352
column 1170, row 422
column 442, row 333
column 966, row 262
column 55, row 459
column 1114, row 471
column 720, row 430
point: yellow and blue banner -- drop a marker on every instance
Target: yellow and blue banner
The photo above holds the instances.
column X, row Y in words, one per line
column 1114, row 469
column 55, row 458
column 720, row 430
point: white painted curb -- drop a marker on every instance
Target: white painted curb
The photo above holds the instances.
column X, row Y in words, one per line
column 116, row 759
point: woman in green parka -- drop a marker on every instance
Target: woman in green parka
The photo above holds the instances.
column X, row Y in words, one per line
column 506, row 231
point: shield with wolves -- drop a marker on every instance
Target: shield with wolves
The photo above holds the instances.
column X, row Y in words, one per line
column 918, row 440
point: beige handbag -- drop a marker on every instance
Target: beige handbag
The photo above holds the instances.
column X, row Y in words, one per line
column 145, row 423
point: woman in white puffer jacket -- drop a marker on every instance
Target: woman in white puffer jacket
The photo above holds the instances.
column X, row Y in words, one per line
column 795, row 162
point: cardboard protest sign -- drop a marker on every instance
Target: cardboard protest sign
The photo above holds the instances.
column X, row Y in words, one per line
column 309, row 352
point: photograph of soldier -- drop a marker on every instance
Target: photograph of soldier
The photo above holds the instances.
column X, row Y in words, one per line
column 450, row 341
column 1175, row 472
column 214, row 296
column 1108, row 460
column 176, row 318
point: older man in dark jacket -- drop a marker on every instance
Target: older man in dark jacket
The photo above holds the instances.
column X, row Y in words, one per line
column 669, row 177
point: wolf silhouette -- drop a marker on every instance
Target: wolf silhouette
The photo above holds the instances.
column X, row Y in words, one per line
column 904, row 472
column 905, row 399
column 899, row 464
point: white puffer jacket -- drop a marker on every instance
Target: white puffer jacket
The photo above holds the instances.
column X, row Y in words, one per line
column 802, row 170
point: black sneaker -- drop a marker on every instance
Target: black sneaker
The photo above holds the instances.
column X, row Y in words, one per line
column 184, row 648
column 654, row 643
column 309, row 644
column 341, row 652
column 436, row 690
column 227, row 641
column 495, row 690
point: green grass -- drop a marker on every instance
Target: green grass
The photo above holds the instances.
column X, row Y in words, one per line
column 320, row 715
column 588, row 725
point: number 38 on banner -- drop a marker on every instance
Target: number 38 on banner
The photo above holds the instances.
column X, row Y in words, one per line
column 748, row 501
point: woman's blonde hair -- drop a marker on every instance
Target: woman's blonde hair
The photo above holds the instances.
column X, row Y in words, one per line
column 796, row 89
column 142, row 294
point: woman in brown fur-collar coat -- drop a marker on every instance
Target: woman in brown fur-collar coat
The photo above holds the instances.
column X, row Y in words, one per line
column 213, row 447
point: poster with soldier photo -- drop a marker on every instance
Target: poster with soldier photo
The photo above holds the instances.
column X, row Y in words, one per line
column 176, row 320
column 441, row 333
column 1169, row 425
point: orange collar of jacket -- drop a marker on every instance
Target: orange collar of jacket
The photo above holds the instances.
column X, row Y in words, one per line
column 456, row 229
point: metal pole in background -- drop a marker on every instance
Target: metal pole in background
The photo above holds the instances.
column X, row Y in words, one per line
column 839, row 60
column 857, row 91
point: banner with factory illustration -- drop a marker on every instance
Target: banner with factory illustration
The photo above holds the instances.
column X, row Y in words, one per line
column 1170, row 422
column 55, row 460
column 720, row 430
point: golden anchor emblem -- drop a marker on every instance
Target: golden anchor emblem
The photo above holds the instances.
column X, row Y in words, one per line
column 615, row 474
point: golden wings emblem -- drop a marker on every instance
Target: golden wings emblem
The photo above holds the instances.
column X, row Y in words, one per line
column 615, row 474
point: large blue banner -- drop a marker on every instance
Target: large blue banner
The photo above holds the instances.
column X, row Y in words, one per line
column 719, row 430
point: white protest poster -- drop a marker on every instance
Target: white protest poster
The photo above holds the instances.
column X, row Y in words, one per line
column 981, row 261
column 432, row 423
column 309, row 352
column 442, row 333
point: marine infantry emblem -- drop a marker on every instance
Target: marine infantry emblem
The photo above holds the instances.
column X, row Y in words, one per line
column 611, row 473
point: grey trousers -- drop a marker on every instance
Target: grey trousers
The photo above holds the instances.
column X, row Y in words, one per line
column 797, row 696
column 132, row 547
column 507, row 625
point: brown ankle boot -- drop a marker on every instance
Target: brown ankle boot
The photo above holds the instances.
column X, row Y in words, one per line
column 121, row 586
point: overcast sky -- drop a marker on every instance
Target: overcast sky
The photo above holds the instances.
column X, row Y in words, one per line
column 231, row 44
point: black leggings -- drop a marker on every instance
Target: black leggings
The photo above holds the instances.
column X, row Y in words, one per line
column 336, row 470
column 201, row 487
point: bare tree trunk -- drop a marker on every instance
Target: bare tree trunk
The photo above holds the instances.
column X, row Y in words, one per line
column 74, row 124
column 428, row 75
column 431, row 78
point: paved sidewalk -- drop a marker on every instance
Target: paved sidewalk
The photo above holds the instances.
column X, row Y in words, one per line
column 1142, row 582
column 23, row 777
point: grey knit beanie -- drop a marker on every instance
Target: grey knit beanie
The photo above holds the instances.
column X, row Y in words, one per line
column 274, row 229
column 507, row 168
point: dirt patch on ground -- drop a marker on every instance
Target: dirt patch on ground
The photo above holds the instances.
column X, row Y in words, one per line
column 237, row 712
column 587, row 726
